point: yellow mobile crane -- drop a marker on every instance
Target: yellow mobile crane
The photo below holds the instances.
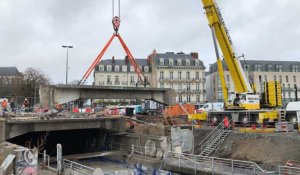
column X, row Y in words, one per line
column 245, row 96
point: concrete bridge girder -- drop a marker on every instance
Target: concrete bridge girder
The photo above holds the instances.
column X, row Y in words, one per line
column 11, row 129
column 59, row 94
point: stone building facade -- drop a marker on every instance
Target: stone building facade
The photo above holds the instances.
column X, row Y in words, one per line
column 258, row 71
column 184, row 73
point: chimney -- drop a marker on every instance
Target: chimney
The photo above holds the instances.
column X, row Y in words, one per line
column 126, row 59
column 194, row 55
column 154, row 52
column 113, row 60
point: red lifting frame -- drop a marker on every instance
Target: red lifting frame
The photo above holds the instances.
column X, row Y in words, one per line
column 133, row 62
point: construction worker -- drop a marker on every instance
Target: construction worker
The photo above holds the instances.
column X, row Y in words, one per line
column 4, row 105
column 12, row 105
column 226, row 122
column 26, row 105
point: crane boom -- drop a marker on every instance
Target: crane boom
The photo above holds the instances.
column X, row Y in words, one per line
column 220, row 69
column 220, row 31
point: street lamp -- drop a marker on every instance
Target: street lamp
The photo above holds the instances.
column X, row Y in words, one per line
column 67, row 67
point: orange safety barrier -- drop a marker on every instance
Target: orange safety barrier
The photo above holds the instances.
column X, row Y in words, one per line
column 176, row 110
column 88, row 110
column 75, row 110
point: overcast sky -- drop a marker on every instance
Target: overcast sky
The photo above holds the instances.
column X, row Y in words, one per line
column 32, row 31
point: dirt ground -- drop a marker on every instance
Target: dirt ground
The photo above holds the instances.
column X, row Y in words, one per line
column 267, row 150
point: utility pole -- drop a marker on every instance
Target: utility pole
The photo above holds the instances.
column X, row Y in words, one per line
column 67, row 61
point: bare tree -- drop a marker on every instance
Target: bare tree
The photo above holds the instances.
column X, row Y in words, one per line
column 36, row 76
column 33, row 78
column 39, row 144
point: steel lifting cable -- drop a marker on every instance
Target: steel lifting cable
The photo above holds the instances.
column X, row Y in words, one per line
column 116, row 24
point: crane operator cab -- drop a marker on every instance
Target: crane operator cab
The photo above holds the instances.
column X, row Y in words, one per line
column 243, row 100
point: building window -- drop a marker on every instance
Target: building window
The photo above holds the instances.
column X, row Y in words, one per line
column 266, row 78
column 283, row 86
column 269, row 68
column 227, row 78
column 161, row 75
column 284, row 95
column 117, row 68
column 220, row 95
column 257, row 67
column 132, row 79
column 294, row 77
column 179, row 87
column 171, row 85
column 117, row 81
column 188, row 87
column 124, row 68
column 179, row 63
column 171, row 75
column 287, row 79
column 280, row 78
column 274, row 77
column 197, row 86
column 198, row 98
column 188, row 98
column 108, row 79
column 131, row 69
column 180, row 98
column 289, row 87
column 179, row 75
column 278, row 68
column 108, row 68
column 289, row 94
column 295, row 68
column 187, row 75
column 161, row 85
column 188, row 63
column 101, row 68
column 196, row 62
column 146, row 69
column 246, row 67
column 170, row 62
column 161, row 62
column 259, row 79
column 197, row 76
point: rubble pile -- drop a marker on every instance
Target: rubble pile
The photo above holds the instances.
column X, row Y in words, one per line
column 150, row 129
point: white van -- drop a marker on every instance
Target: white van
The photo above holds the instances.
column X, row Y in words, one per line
column 215, row 106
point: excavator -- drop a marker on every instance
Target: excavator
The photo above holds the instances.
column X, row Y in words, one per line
column 245, row 96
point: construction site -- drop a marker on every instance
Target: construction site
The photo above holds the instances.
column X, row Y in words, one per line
column 148, row 128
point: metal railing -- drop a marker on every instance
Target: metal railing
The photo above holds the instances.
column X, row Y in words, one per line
column 213, row 164
column 135, row 149
column 287, row 170
column 76, row 167
column 211, row 135
column 216, row 134
column 46, row 161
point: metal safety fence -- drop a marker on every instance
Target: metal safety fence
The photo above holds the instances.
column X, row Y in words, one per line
column 77, row 167
column 287, row 170
column 145, row 151
column 47, row 161
column 199, row 164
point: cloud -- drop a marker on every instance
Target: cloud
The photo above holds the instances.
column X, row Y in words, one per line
column 33, row 31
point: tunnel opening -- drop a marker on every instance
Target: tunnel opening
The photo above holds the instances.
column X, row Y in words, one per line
column 72, row 141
